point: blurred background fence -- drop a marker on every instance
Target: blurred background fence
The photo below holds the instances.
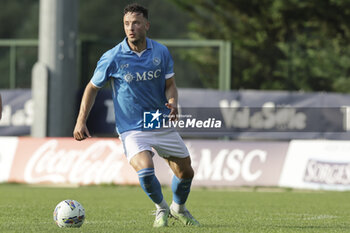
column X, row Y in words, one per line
column 17, row 57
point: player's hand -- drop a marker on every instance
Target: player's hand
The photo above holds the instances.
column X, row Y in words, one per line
column 81, row 132
column 173, row 115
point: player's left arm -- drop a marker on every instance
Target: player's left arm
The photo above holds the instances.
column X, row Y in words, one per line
column 172, row 97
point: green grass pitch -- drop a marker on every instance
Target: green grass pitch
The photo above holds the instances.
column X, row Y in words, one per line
column 128, row 209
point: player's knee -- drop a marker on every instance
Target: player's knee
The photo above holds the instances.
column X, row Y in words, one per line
column 187, row 173
column 142, row 160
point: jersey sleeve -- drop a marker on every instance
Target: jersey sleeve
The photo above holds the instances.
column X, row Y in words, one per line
column 105, row 67
column 169, row 66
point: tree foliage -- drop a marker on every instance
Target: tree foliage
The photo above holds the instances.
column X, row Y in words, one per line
column 276, row 44
column 98, row 20
column 279, row 44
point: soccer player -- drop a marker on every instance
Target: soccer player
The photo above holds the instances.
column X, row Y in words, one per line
column 140, row 71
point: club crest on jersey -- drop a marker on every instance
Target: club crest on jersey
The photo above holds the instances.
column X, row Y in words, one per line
column 128, row 77
column 156, row 61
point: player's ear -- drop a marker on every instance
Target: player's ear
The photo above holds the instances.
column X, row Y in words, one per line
column 147, row 25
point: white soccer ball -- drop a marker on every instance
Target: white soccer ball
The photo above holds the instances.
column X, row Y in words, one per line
column 69, row 213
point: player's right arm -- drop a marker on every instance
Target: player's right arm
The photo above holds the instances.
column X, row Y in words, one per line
column 81, row 131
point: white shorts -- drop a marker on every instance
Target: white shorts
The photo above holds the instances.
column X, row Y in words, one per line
column 167, row 142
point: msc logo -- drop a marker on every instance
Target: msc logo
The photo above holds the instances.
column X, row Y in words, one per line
column 151, row 120
column 128, row 77
column 146, row 75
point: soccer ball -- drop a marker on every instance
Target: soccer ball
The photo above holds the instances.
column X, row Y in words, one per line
column 69, row 213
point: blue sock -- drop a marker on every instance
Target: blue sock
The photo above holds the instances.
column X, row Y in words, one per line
column 181, row 189
column 150, row 184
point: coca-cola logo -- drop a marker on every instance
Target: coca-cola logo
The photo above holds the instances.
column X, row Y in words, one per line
column 98, row 163
column 327, row 173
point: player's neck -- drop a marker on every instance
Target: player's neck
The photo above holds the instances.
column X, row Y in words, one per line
column 138, row 46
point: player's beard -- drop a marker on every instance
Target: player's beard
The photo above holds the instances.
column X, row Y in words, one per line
column 137, row 41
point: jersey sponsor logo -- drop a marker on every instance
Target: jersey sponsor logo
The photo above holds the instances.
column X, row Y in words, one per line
column 128, row 77
column 148, row 75
column 144, row 76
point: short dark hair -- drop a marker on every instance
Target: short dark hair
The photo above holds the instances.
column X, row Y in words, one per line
column 136, row 8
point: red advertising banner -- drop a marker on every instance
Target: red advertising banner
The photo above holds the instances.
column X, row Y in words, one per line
column 64, row 160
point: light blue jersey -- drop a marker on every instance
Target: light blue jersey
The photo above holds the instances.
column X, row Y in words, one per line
column 137, row 80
